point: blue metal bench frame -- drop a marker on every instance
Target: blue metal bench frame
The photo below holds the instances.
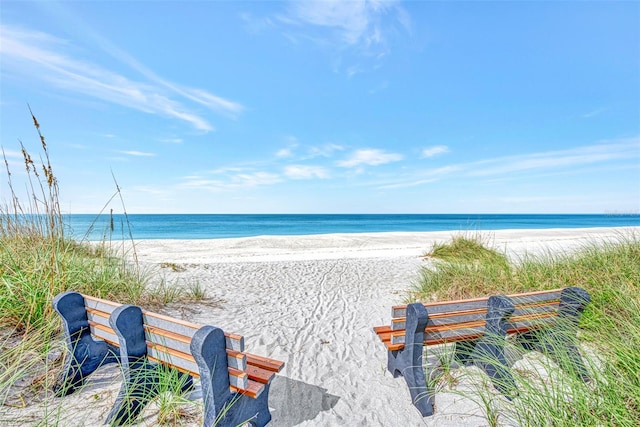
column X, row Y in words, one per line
column 558, row 341
column 222, row 407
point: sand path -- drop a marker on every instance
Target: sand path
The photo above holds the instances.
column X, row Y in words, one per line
column 317, row 316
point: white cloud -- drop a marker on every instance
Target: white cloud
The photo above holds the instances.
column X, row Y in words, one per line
column 12, row 153
column 137, row 153
column 291, row 147
column 229, row 169
column 39, row 56
column 559, row 159
column 231, row 181
column 157, row 192
column 371, row 157
column 325, row 150
column 305, row 152
column 434, row 151
column 173, row 140
column 407, row 184
column 534, row 199
column 350, row 19
column 606, row 153
column 363, row 27
column 285, row 152
column 594, row 113
column 255, row 179
column 306, row 172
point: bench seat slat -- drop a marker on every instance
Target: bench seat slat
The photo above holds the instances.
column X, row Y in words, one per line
column 478, row 303
column 394, row 341
column 172, row 357
column 99, row 317
column 172, row 342
column 260, row 375
column 264, row 362
column 159, row 332
column 103, row 332
column 475, row 315
column 187, row 329
column 176, row 367
column 162, row 323
column 253, row 389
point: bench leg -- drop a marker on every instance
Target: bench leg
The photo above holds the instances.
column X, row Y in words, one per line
column 488, row 353
column 85, row 354
column 140, row 378
column 559, row 341
column 408, row 361
column 221, row 406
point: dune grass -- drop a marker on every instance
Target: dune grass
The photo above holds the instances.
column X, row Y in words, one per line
column 37, row 262
column 609, row 328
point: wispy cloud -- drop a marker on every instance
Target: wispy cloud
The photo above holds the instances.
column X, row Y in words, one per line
column 172, row 140
column 407, row 184
column 231, row 181
column 559, row 159
column 360, row 26
column 302, row 152
column 536, row 199
column 434, row 151
column 12, row 153
column 325, row 150
column 288, row 151
column 41, row 56
column 612, row 154
column 422, row 177
column 306, row 172
column 371, row 157
column 594, row 113
column 137, row 153
column 285, row 152
column 160, row 193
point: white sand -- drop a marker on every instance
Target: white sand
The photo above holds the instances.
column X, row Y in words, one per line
column 312, row 301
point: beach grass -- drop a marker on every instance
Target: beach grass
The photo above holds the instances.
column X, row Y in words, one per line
column 37, row 262
column 609, row 329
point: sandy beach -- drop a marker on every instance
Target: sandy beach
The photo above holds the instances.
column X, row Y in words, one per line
column 312, row 301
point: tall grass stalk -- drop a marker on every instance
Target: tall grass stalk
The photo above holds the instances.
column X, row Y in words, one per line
column 609, row 330
column 37, row 262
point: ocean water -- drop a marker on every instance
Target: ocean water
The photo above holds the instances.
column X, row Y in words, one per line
column 214, row 226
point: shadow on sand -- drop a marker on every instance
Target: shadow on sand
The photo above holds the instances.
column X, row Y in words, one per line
column 293, row 402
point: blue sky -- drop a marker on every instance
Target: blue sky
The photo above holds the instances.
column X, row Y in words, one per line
column 327, row 107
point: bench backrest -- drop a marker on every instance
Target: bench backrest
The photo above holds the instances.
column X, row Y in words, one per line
column 451, row 321
column 168, row 342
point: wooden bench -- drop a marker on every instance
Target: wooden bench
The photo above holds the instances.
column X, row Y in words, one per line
column 546, row 321
column 235, row 384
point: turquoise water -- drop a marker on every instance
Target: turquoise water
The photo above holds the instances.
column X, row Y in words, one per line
column 205, row 226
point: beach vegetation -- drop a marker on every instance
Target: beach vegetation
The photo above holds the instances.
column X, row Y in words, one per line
column 467, row 248
column 37, row 262
column 609, row 333
column 177, row 268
